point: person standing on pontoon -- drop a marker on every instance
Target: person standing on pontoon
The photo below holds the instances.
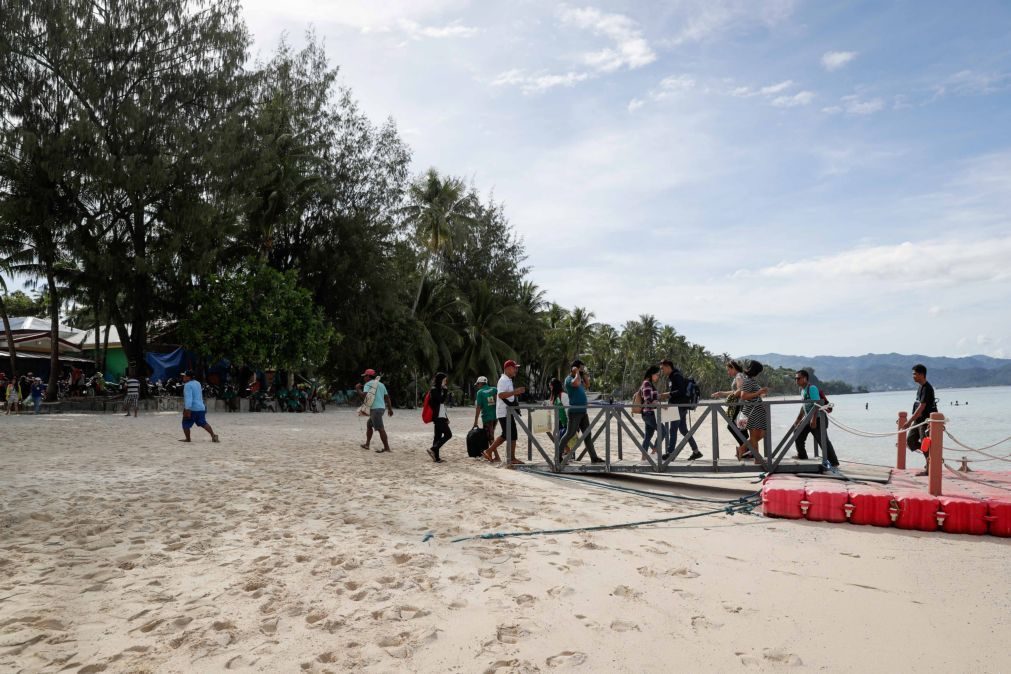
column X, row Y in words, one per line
column 926, row 404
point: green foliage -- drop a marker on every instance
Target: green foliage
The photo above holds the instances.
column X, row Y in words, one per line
column 20, row 304
column 258, row 317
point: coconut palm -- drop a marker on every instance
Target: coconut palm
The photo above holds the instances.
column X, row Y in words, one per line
column 485, row 319
column 440, row 310
column 439, row 209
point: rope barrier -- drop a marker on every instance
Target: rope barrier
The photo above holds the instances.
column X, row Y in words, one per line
column 728, row 510
column 963, row 476
column 982, row 449
column 869, row 434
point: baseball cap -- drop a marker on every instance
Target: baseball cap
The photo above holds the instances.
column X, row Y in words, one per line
column 482, row 380
column 369, row 373
column 510, row 363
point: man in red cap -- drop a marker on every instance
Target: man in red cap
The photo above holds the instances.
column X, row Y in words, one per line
column 378, row 403
column 507, row 397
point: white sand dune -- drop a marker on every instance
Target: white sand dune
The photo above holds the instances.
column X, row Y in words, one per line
column 288, row 548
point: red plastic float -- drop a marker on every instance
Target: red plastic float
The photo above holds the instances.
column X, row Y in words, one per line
column 963, row 515
column 999, row 518
column 782, row 498
column 871, row 504
column 825, row 501
column 916, row 510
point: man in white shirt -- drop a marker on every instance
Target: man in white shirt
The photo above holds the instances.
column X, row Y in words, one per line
column 507, row 396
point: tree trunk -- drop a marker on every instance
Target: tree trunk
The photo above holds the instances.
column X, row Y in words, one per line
column 424, row 275
column 142, row 290
column 105, row 344
column 11, row 349
column 98, row 346
column 52, row 393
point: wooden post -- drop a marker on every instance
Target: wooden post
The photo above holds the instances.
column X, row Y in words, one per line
column 900, row 455
column 936, row 455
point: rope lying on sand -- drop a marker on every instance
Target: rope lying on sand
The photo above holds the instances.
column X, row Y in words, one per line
column 728, row 510
column 639, row 492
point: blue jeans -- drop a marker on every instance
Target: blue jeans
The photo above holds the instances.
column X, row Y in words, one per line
column 682, row 425
column 649, row 418
column 37, row 402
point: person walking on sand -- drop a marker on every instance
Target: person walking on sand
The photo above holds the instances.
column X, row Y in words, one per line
column 754, row 410
column 38, row 390
column 650, row 397
column 484, row 408
column 194, row 410
column 378, row 400
column 11, row 396
column 132, row 399
column 677, row 392
column 576, row 386
column 437, row 397
column 811, row 396
column 925, row 405
column 506, row 397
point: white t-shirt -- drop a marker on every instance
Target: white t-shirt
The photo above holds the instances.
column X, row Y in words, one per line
column 505, row 384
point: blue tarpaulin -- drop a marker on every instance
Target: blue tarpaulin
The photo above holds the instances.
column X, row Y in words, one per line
column 166, row 366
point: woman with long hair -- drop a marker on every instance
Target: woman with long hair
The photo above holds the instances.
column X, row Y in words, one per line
column 733, row 398
column 758, row 420
column 437, row 397
column 649, row 395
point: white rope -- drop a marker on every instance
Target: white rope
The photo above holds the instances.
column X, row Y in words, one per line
column 980, row 450
column 868, row 434
column 963, row 476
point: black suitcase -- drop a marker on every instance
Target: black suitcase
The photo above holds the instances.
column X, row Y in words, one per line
column 477, row 441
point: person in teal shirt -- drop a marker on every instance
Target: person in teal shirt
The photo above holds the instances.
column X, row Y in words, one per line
column 484, row 407
column 576, row 386
column 381, row 404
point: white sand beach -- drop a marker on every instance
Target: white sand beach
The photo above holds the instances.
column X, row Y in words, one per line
column 288, row 548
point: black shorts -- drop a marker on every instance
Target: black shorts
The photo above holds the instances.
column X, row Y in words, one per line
column 502, row 425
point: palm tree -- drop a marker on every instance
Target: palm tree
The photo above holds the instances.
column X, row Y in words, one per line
column 577, row 327
column 440, row 310
column 486, row 317
column 439, row 209
column 7, row 326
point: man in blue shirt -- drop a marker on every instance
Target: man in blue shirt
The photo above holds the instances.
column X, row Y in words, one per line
column 576, row 386
column 811, row 396
column 194, row 410
column 38, row 390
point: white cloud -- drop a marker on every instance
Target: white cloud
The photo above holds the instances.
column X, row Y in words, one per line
column 454, row 29
column 629, row 50
column 533, row 83
column 970, row 82
column 800, row 98
column 854, row 105
column 777, row 88
column 944, row 262
column 700, row 20
column 834, row 60
column 635, row 104
column 415, row 18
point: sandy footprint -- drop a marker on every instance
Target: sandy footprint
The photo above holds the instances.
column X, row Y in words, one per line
column 566, row 659
column 624, row 626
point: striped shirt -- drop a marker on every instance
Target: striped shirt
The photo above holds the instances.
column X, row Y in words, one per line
column 132, row 386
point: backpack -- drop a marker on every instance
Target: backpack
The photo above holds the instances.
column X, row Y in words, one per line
column 637, row 401
column 426, row 409
column 692, row 393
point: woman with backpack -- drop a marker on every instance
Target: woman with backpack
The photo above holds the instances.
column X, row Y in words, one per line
column 758, row 420
column 649, row 396
column 437, row 397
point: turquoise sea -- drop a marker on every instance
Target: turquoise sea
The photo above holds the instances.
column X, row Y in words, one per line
column 982, row 417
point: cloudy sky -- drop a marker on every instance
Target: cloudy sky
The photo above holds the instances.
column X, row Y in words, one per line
column 800, row 177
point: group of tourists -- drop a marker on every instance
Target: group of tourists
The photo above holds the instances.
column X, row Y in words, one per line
column 17, row 392
column 569, row 400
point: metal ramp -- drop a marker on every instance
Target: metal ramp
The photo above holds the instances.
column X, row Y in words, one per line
column 618, row 437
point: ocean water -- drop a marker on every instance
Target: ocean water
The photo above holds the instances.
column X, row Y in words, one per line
column 982, row 417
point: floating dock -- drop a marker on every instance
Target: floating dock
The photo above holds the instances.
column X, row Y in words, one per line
column 973, row 503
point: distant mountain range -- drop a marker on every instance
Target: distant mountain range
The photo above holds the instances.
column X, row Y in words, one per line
column 892, row 371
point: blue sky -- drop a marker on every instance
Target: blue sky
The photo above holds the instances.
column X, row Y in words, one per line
column 801, row 177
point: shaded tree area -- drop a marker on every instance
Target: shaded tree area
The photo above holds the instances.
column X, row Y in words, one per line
column 151, row 175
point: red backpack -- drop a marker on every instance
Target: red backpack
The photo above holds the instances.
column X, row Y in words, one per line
column 426, row 409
